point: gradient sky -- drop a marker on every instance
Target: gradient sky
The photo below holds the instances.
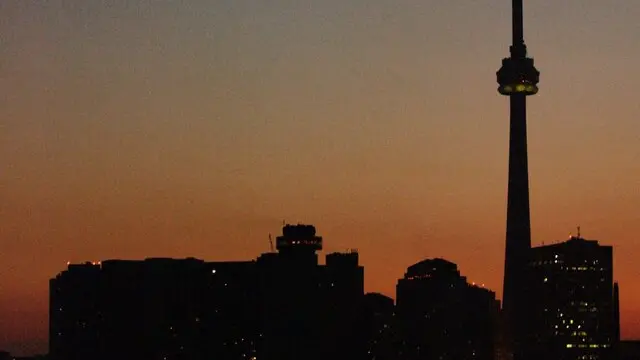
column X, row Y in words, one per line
column 133, row 129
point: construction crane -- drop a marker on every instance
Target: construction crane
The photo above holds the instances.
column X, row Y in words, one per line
column 271, row 243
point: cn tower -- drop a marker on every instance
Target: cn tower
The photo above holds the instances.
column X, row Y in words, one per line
column 518, row 78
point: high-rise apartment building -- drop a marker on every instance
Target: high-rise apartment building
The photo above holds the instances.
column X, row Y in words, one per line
column 573, row 302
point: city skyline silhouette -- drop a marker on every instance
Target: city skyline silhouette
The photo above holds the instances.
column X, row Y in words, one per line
column 144, row 131
column 284, row 305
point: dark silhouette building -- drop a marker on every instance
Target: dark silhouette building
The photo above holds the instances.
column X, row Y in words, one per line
column 75, row 313
column 518, row 78
column 4, row 355
column 616, row 320
column 379, row 327
column 7, row 356
column 281, row 306
column 629, row 350
column 441, row 316
column 310, row 311
column 573, row 301
column 153, row 309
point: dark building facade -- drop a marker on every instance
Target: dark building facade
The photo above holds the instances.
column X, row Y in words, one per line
column 573, row 301
column 379, row 327
column 153, row 309
column 281, row 306
column 4, row 355
column 309, row 311
column 441, row 316
column 629, row 350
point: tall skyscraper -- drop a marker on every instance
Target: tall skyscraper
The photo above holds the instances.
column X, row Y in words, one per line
column 574, row 301
column 518, row 78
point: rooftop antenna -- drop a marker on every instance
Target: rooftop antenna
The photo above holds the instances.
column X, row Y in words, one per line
column 578, row 231
column 271, row 243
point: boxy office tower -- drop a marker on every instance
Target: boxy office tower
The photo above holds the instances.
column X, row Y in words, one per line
column 573, row 300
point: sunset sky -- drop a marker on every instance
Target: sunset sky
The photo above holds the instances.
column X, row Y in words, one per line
column 133, row 129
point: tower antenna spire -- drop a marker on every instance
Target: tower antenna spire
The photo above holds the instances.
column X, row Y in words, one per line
column 518, row 49
column 517, row 22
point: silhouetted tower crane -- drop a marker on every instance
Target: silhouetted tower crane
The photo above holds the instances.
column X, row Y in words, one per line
column 271, row 244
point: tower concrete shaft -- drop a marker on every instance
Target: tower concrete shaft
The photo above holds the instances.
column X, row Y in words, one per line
column 518, row 236
column 518, row 78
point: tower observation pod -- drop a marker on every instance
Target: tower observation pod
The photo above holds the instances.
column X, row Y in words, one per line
column 518, row 75
column 299, row 243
